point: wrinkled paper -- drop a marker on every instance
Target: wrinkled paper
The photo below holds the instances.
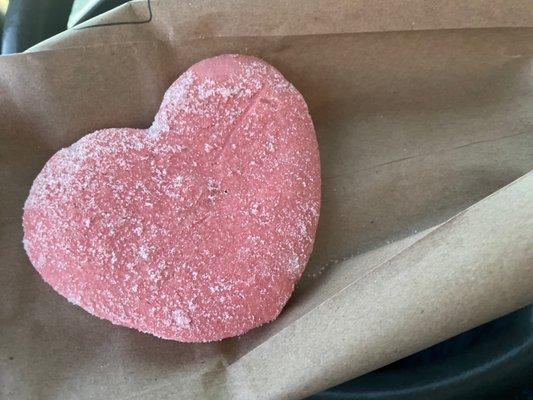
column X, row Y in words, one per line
column 424, row 116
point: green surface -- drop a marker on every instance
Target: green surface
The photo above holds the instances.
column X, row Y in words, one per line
column 3, row 7
column 80, row 8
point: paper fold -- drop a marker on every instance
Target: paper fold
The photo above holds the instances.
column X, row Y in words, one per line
column 243, row 18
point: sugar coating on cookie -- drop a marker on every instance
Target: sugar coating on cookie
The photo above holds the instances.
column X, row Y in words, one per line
column 195, row 229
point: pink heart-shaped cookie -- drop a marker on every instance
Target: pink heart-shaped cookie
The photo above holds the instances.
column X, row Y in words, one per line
column 195, row 229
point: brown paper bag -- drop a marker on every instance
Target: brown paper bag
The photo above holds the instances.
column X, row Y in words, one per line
column 423, row 110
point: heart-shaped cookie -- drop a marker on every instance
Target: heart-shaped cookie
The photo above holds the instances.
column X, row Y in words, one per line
column 195, row 229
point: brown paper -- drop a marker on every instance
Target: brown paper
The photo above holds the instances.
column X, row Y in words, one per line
column 422, row 110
